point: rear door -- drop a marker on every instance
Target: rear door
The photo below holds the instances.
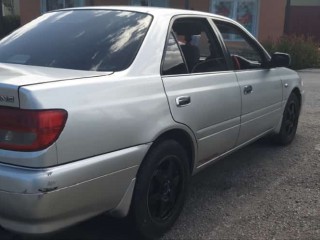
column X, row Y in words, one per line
column 261, row 87
column 202, row 93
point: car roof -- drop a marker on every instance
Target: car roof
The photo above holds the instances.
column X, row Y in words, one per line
column 155, row 11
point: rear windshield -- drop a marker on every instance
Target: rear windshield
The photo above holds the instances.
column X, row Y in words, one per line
column 95, row 40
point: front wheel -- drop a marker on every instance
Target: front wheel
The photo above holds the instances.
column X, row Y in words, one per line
column 160, row 190
column 289, row 121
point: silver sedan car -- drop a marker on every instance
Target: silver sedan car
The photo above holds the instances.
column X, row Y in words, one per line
column 112, row 109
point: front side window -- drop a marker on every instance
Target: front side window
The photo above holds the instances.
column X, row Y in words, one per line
column 243, row 11
column 244, row 53
column 49, row 5
column 95, row 40
column 153, row 3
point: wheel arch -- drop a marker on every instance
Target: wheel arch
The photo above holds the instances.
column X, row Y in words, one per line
column 182, row 137
column 297, row 92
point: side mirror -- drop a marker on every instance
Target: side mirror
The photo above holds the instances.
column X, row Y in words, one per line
column 280, row 60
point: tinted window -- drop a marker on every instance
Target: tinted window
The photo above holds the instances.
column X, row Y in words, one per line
column 244, row 53
column 97, row 40
column 199, row 45
column 173, row 61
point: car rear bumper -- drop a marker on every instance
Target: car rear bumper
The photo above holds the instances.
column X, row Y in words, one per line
column 36, row 201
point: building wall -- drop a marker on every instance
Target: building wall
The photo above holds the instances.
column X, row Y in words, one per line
column 271, row 16
column 202, row 5
column 305, row 2
column 16, row 7
column 271, row 20
column 29, row 10
column 109, row 2
column 177, row 4
column 310, row 24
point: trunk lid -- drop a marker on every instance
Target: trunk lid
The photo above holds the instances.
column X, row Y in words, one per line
column 13, row 76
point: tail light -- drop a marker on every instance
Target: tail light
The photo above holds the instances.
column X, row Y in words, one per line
column 30, row 130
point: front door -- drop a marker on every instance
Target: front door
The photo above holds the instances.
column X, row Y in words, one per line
column 261, row 88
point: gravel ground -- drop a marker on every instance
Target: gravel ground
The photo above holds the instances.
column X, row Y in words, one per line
column 259, row 192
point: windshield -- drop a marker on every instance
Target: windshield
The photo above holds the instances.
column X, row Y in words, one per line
column 96, row 40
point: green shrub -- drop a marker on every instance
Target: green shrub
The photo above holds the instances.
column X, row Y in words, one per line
column 9, row 24
column 304, row 51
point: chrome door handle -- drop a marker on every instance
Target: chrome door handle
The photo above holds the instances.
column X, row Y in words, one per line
column 247, row 89
column 183, row 101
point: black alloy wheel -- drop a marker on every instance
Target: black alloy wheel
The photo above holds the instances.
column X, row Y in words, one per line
column 164, row 189
column 290, row 120
column 160, row 191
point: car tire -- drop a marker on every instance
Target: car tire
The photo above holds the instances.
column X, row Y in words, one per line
column 289, row 122
column 161, row 189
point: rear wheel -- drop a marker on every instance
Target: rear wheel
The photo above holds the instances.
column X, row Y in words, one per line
column 160, row 190
column 289, row 121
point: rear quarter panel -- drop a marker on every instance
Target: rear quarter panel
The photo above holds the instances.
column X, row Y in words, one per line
column 104, row 113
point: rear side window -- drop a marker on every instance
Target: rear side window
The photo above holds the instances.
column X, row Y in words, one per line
column 173, row 62
column 96, row 40
column 199, row 46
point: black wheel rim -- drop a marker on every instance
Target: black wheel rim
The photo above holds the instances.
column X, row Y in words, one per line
column 165, row 189
column 290, row 119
